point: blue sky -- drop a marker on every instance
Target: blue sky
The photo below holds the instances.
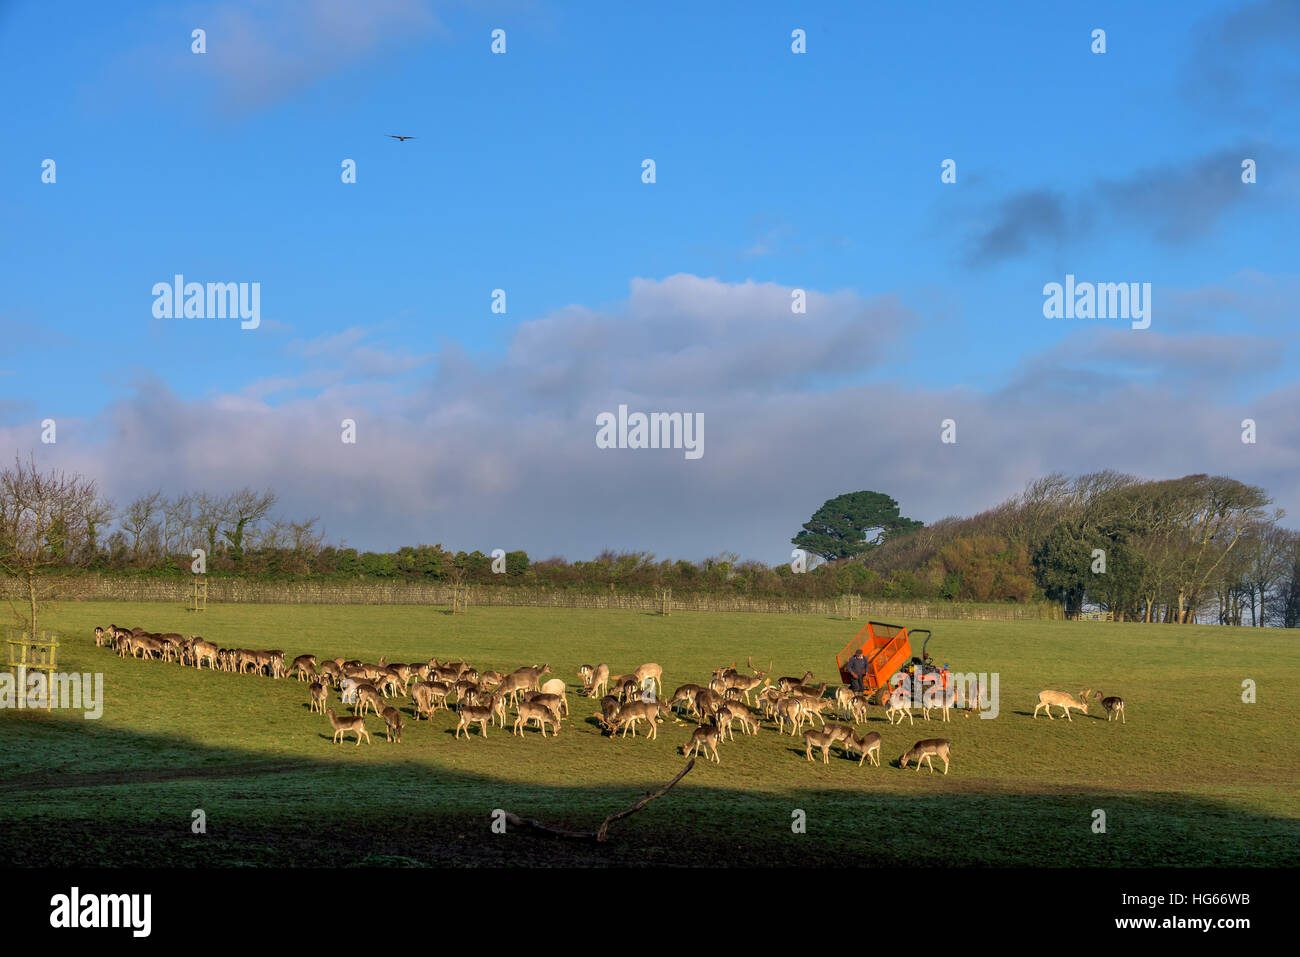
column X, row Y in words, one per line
column 775, row 171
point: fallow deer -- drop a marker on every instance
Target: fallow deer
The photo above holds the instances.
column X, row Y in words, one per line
column 344, row 725
column 1112, row 706
column 867, row 745
column 557, row 687
column 786, row 684
column 475, row 714
column 650, row 671
column 393, row 723
column 923, row 751
column 597, row 682
column 818, row 739
column 530, row 711
column 706, row 737
column 634, row 711
column 318, row 697
column 1046, row 699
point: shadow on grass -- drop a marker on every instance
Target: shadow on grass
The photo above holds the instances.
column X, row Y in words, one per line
column 76, row 793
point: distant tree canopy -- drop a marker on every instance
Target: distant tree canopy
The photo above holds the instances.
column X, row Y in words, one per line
column 1172, row 550
column 1198, row 548
column 851, row 524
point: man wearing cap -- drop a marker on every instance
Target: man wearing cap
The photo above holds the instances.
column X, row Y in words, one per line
column 857, row 669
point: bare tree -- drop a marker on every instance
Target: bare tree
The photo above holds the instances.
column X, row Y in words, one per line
column 210, row 513
column 140, row 520
column 243, row 512
column 1263, row 564
column 305, row 538
column 46, row 521
column 179, row 525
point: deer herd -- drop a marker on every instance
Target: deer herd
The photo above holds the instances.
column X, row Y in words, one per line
column 627, row 701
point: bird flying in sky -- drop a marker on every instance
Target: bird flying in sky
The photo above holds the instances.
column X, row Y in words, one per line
column 401, row 138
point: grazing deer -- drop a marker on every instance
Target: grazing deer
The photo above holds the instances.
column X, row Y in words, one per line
column 868, row 744
column 705, row 704
column 425, row 703
column 344, row 725
column 331, row 672
column 148, row 646
column 475, row 714
column 923, row 750
column 1063, row 701
column 99, row 637
column 368, row 697
column 839, row 732
column 532, row 676
column 767, row 700
column 597, row 681
column 393, row 723
column 530, row 711
column 650, row 671
column 551, row 702
column 735, row 711
column 812, row 706
column 818, row 739
column 858, row 707
column 789, row 709
column 787, row 684
column 201, row 651
column 448, row 676
column 512, row 686
column 556, row 687
column 609, row 709
column 319, row 697
column 1112, row 706
column 617, row 683
column 491, row 680
column 705, row 736
column 634, row 711
column 172, row 643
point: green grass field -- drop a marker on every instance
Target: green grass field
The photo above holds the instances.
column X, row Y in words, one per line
column 1195, row 778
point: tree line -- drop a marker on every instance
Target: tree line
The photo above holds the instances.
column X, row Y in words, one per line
column 1197, row 548
column 1200, row 547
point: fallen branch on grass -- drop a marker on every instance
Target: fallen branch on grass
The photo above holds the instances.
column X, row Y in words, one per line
column 514, row 820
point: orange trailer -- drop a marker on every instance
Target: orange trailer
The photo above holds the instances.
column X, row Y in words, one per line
column 887, row 650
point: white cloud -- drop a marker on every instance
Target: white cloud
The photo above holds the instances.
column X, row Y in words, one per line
column 503, row 454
